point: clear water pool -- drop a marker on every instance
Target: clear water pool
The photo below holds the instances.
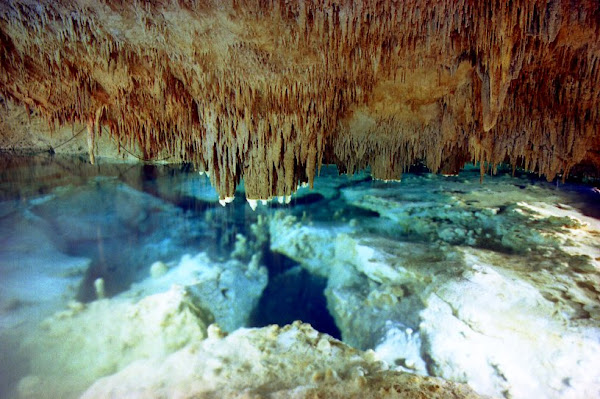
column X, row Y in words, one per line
column 496, row 284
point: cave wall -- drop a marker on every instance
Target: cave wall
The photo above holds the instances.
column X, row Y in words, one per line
column 268, row 91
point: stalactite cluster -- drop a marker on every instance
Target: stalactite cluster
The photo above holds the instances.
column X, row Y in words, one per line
column 267, row 91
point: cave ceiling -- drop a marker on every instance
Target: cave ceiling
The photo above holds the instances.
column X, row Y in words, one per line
column 268, row 91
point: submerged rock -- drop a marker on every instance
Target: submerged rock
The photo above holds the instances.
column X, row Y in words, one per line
column 376, row 290
column 36, row 277
column 497, row 332
column 75, row 347
column 228, row 290
column 294, row 361
column 123, row 229
column 36, row 280
column 311, row 245
column 497, row 291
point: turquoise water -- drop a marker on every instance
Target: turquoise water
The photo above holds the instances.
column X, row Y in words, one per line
column 474, row 282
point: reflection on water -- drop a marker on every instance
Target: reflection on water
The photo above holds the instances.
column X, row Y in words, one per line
column 494, row 284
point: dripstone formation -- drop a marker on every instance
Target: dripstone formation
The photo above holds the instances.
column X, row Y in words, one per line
column 268, row 91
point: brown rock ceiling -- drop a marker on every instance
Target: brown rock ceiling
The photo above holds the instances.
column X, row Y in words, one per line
column 268, row 91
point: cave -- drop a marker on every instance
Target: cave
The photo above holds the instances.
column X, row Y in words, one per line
column 299, row 198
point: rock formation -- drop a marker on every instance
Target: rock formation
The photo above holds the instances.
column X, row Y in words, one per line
column 270, row 90
column 492, row 285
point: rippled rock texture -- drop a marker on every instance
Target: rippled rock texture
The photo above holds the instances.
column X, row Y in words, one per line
column 268, row 91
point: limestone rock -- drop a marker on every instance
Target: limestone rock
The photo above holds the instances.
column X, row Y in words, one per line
column 506, row 341
column 26, row 297
column 75, row 347
column 294, row 361
column 100, row 214
column 229, row 291
column 312, row 246
column 493, row 285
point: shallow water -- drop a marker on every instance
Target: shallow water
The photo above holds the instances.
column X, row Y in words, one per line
column 494, row 284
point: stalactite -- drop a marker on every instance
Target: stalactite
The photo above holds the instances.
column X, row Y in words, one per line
column 269, row 91
column 91, row 140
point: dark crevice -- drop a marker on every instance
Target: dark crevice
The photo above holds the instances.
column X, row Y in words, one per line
column 293, row 294
column 277, row 263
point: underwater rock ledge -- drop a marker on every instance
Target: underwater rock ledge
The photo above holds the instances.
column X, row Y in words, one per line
column 295, row 361
column 269, row 91
column 163, row 346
